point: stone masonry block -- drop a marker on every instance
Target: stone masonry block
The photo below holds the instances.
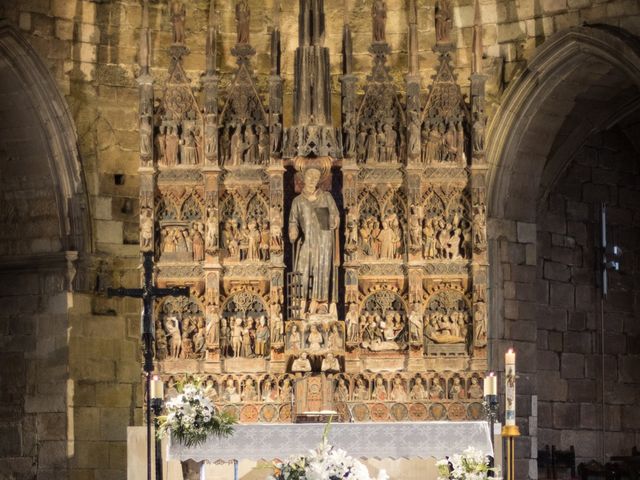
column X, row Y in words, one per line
column 562, row 294
column 582, row 390
column 556, row 271
column 566, row 415
column 527, row 232
column 64, row 8
column 553, row 389
column 572, row 365
column 114, row 423
column 113, row 395
column 578, row 342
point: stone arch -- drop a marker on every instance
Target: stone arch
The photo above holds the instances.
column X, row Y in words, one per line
column 580, row 81
column 26, row 77
column 569, row 72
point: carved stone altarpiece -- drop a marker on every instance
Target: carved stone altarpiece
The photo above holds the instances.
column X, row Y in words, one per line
column 372, row 282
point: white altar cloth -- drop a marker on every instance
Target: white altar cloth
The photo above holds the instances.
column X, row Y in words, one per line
column 362, row 440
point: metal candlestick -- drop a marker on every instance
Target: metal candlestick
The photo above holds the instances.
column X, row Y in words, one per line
column 490, row 405
column 156, row 406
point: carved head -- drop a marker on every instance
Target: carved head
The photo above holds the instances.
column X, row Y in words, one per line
column 311, row 179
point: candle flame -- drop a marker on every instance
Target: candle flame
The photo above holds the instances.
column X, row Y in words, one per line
column 510, row 350
column 492, row 374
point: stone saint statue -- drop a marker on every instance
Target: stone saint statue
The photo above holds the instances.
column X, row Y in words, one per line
column 313, row 221
column 178, row 14
column 443, row 21
column 379, row 14
column 243, row 15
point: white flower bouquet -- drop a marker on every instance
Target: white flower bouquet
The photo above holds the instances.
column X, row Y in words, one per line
column 323, row 463
column 471, row 465
column 191, row 417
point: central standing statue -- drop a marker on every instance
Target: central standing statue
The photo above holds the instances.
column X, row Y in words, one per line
column 313, row 222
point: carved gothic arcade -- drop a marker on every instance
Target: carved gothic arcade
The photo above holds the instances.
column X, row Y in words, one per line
column 390, row 320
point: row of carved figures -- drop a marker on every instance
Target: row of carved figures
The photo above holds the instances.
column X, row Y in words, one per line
column 191, row 336
column 387, row 387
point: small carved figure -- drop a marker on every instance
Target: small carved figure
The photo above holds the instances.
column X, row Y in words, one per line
column 236, row 147
column 379, row 15
column 351, row 321
column 243, row 16
column 415, row 324
column 146, row 134
column 211, row 392
column 264, row 241
column 213, row 327
column 146, row 229
column 391, row 138
column 250, row 146
column 263, row 145
column 479, row 125
column 225, row 337
column 380, row 390
column 341, row 393
column 172, row 146
column 456, row 392
column 161, row 145
column 277, row 329
column 262, row 337
column 248, row 336
column 387, row 239
column 230, row 393
column 436, row 392
column 249, row 393
column 236, row 338
column 330, row 363
column 173, row 332
column 444, row 21
column 475, row 390
column 315, row 340
column 418, row 391
column 199, row 339
column 360, row 392
column 253, row 242
column 178, row 14
column 301, row 364
column 334, row 341
column 398, row 392
column 197, row 242
column 295, row 338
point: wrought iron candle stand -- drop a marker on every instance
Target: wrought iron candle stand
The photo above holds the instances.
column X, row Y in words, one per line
column 490, row 405
column 157, row 405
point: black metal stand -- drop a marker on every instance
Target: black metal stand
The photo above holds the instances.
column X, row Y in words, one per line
column 148, row 293
column 156, row 406
column 490, row 404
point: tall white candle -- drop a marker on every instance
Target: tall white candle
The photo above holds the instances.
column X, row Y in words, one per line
column 490, row 384
column 157, row 388
column 510, row 387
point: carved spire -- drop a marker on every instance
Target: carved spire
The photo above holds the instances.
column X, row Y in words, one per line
column 312, row 133
column 212, row 45
column 347, row 50
column 412, row 16
column 477, row 40
column 275, row 40
column 311, row 20
column 145, row 40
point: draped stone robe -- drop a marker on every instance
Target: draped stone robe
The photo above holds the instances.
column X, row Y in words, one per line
column 315, row 220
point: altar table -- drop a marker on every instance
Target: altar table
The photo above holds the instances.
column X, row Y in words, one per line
column 361, row 440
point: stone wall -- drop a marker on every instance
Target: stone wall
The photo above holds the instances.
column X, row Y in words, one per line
column 568, row 303
column 33, row 372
